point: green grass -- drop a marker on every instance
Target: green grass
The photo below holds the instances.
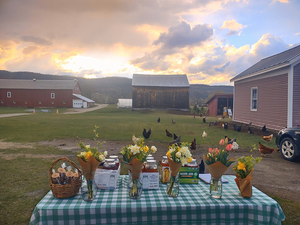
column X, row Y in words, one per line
column 24, row 181
column 9, row 110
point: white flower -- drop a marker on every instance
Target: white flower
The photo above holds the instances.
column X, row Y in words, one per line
column 134, row 149
column 105, row 153
column 153, row 149
column 178, row 154
column 101, row 157
column 87, row 146
column 172, row 150
column 82, row 154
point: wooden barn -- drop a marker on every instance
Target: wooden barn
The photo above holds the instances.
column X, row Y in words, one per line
column 42, row 93
column 160, row 91
column 217, row 103
column 268, row 92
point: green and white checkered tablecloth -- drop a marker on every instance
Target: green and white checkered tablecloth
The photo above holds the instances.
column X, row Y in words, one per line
column 193, row 206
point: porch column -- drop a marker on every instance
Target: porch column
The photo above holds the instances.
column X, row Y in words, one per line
column 290, row 97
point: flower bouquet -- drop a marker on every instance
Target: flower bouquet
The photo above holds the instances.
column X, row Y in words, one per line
column 177, row 156
column 217, row 163
column 135, row 156
column 89, row 159
column 244, row 173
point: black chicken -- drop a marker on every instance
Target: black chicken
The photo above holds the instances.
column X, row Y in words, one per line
column 193, row 145
column 237, row 127
column 204, row 120
column 250, row 131
column 201, row 167
column 264, row 128
column 168, row 133
column 209, row 124
column 176, row 141
column 146, row 134
column 158, row 120
column 225, row 125
column 201, row 114
column 175, row 136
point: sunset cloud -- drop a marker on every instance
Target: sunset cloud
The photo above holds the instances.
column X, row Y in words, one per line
column 233, row 26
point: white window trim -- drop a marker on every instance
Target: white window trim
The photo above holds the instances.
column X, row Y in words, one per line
column 8, row 94
column 52, row 95
column 251, row 109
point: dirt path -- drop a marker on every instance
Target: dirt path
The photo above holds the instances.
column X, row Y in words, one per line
column 14, row 114
column 273, row 175
column 82, row 110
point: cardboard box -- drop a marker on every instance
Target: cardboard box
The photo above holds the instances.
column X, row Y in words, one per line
column 150, row 180
column 107, row 179
column 188, row 175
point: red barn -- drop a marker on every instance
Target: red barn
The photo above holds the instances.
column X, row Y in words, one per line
column 217, row 103
column 42, row 93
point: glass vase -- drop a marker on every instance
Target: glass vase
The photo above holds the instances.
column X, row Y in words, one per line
column 215, row 188
column 173, row 186
column 89, row 190
column 135, row 185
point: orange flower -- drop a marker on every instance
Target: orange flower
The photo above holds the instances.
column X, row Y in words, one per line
column 168, row 154
column 221, row 142
column 190, row 160
column 210, row 150
column 88, row 155
column 228, row 148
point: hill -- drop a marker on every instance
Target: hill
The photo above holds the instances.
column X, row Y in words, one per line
column 110, row 89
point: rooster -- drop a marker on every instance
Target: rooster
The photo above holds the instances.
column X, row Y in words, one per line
column 193, row 145
column 225, row 126
column 168, row 133
column 264, row 149
column 204, row 135
column 264, row 128
column 177, row 141
column 267, row 138
column 146, row 134
column 158, row 120
column 134, row 139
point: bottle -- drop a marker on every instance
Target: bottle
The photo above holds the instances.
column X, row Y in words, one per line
column 151, row 166
column 165, row 161
column 116, row 158
column 164, row 172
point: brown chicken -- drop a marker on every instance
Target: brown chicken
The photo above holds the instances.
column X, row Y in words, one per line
column 168, row 133
column 264, row 149
column 267, row 138
column 193, row 145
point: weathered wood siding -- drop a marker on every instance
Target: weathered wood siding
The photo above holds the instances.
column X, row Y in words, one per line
column 213, row 107
column 296, row 97
column 158, row 97
column 272, row 102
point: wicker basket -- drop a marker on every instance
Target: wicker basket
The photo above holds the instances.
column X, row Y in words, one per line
column 66, row 190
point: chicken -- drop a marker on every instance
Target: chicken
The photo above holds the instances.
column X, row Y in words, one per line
column 134, row 139
column 225, row 126
column 264, row 149
column 204, row 135
column 237, row 127
column 267, row 138
column 158, row 120
column 147, row 134
column 173, row 121
column 204, row 119
column 250, row 131
column 209, row 124
column 168, row 133
column 235, row 146
column 264, row 128
column 229, row 141
column 177, row 141
column 193, row 145
column 201, row 114
column 175, row 136
column 220, row 118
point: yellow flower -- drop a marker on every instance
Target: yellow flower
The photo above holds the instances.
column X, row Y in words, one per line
column 168, row 154
column 241, row 166
column 153, row 149
column 190, row 160
column 88, row 155
column 88, row 146
column 146, row 149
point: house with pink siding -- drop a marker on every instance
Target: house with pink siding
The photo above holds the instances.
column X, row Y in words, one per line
column 268, row 93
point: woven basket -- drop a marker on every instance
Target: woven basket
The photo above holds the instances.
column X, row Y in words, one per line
column 66, row 190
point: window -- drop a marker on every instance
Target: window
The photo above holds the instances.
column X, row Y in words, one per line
column 26, row 103
column 52, row 103
column 40, row 102
column 254, row 94
column 9, row 94
column 52, row 95
column 14, row 102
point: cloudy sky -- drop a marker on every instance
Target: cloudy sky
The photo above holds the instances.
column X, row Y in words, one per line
column 209, row 40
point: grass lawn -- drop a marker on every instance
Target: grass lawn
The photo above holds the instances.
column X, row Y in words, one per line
column 24, row 180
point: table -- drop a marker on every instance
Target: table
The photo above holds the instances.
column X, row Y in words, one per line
column 193, row 206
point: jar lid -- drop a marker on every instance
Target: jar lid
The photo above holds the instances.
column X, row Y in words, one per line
column 149, row 155
column 151, row 161
column 109, row 160
column 113, row 157
column 111, row 164
column 165, row 157
column 193, row 160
